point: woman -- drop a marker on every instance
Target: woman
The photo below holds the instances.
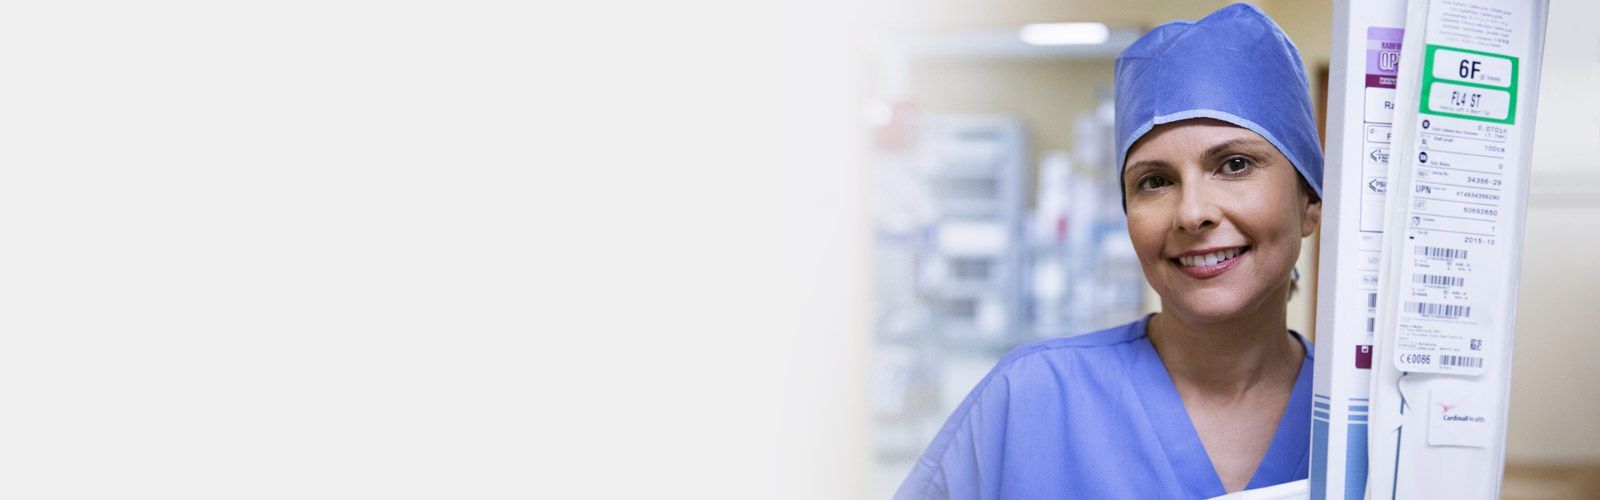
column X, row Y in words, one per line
column 1221, row 175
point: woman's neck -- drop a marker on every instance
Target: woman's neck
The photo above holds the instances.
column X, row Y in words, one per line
column 1230, row 358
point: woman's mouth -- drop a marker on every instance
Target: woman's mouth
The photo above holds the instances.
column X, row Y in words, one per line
column 1211, row 263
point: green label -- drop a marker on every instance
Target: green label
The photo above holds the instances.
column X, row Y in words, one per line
column 1469, row 84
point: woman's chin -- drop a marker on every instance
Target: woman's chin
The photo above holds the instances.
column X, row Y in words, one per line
column 1200, row 311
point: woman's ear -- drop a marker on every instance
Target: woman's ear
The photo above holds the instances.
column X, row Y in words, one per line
column 1313, row 217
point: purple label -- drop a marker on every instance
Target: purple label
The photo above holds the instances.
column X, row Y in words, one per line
column 1383, row 56
column 1364, row 357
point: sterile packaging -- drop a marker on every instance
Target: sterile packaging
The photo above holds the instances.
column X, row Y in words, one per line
column 1457, row 196
column 1293, row 490
column 1365, row 59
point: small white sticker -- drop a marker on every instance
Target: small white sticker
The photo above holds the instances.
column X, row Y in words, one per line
column 1458, row 417
column 1380, row 106
column 1473, row 101
column 1380, row 134
column 1477, row 68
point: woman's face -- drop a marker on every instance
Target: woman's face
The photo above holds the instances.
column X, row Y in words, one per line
column 1216, row 214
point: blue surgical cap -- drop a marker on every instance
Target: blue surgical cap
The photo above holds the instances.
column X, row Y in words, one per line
column 1236, row 66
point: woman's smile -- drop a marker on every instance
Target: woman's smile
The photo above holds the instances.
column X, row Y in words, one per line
column 1209, row 263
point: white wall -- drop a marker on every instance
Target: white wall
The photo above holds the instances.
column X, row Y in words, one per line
column 471, row 249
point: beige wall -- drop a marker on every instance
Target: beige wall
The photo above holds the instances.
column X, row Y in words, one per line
column 1554, row 396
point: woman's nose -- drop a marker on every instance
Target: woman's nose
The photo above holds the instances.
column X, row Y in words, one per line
column 1197, row 209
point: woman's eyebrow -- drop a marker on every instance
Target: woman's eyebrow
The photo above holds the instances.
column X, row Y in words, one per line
column 1146, row 164
column 1230, row 144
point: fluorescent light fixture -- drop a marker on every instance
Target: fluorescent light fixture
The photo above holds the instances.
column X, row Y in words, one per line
column 1065, row 34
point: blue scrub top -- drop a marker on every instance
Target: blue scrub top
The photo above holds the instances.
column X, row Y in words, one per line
column 1091, row 416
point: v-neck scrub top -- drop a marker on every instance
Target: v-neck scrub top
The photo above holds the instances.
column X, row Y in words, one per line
column 1091, row 416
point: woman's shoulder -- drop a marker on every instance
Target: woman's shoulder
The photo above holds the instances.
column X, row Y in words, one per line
column 1045, row 368
column 1041, row 388
column 1095, row 344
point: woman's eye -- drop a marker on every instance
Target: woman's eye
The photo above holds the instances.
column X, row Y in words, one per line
column 1235, row 165
column 1153, row 182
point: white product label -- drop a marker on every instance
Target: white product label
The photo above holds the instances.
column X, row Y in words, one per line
column 1463, row 100
column 1383, row 64
column 1458, row 417
column 1380, row 107
column 1460, row 202
column 1477, row 68
column 1378, row 93
column 1378, row 133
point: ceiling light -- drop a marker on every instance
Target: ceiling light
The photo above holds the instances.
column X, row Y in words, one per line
column 1064, row 34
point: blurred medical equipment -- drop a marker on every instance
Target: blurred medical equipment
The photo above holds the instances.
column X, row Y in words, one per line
column 963, row 272
column 948, row 266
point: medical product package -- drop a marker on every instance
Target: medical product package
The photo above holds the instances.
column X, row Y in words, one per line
column 1361, row 106
column 1457, row 189
column 1292, row 490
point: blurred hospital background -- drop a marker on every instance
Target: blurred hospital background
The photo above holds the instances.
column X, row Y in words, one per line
column 995, row 217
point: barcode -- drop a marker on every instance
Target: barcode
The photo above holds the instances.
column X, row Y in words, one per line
column 1462, row 361
column 1438, row 310
column 1441, row 252
column 1437, row 280
column 1372, row 300
column 1372, row 325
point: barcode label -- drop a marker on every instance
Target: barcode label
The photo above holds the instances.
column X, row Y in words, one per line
column 1437, row 280
column 1441, row 252
column 1432, row 310
column 1372, row 325
column 1460, row 361
column 1372, row 300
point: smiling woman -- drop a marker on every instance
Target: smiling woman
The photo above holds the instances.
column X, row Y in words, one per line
column 1212, row 395
column 1216, row 214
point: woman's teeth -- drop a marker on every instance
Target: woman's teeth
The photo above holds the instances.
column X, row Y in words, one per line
column 1211, row 259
